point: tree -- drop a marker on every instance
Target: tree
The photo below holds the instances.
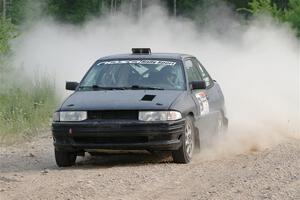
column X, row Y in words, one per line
column 278, row 9
column 7, row 32
column 264, row 6
column 75, row 11
column 292, row 14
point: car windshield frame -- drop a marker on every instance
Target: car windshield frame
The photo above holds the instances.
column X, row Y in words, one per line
column 134, row 87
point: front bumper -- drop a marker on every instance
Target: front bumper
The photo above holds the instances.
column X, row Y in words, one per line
column 119, row 135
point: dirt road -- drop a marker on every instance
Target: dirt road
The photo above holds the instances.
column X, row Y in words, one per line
column 29, row 172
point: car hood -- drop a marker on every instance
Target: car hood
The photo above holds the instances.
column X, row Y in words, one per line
column 121, row 100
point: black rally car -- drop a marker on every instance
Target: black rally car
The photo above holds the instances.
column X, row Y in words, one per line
column 139, row 101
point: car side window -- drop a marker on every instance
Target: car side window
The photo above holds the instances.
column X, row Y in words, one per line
column 204, row 75
column 192, row 72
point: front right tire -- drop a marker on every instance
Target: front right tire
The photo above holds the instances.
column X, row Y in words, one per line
column 185, row 152
column 64, row 158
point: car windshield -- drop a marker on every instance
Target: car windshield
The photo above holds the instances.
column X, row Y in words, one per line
column 135, row 74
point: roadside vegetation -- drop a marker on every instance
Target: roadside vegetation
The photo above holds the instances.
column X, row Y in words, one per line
column 25, row 108
column 285, row 11
column 26, row 104
column 79, row 11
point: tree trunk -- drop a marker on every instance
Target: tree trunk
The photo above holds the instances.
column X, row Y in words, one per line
column 130, row 8
column 175, row 8
column 141, row 9
column 4, row 9
column 111, row 6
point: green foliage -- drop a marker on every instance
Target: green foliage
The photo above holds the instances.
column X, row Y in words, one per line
column 7, row 32
column 74, row 11
column 258, row 7
column 187, row 8
column 77, row 11
column 238, row 3
column 263, row 6
column 17, row 12
column 25, row 107
column 27, row 11
column 292, row 14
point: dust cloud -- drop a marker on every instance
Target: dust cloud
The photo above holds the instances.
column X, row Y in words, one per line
column 256, row 64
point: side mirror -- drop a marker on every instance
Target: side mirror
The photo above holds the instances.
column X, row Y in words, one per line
column 71, row 85
column 198, row 85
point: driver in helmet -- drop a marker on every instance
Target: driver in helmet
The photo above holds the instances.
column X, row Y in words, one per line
column 169, row 76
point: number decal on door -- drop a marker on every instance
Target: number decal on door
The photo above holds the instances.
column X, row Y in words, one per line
column 203, row 102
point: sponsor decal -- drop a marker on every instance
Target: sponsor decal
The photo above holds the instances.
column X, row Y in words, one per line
column 204, row 105
column 142, row 62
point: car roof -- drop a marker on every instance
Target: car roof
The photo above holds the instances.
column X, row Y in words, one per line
column 177, row 56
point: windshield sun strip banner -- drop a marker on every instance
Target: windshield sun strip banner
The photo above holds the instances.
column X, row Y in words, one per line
column 142, row 62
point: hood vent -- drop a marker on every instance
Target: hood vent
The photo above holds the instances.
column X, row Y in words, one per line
column 148, row 97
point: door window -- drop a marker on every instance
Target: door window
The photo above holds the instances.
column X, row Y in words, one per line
column 204, row 75
column 192, row 72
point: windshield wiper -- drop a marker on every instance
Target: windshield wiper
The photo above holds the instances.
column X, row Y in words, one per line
column 98, row 87
column 139, row 87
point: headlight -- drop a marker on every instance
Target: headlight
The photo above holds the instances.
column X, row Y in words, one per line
column 70, row 116
column 159, row 115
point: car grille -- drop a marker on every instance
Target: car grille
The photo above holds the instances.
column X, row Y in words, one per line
column 113, row 114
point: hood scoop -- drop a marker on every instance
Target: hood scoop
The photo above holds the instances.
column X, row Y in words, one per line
column 148, row 97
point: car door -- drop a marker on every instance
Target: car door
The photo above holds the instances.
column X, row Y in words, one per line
column 213, row 90
column 208, row 101
column 199, row 97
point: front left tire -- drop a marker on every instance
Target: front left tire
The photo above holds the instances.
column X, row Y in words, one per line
column 185, row 152
column 64, row 158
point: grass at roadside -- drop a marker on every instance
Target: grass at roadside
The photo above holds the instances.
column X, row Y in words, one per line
column 26, row 104
column 25, row 108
